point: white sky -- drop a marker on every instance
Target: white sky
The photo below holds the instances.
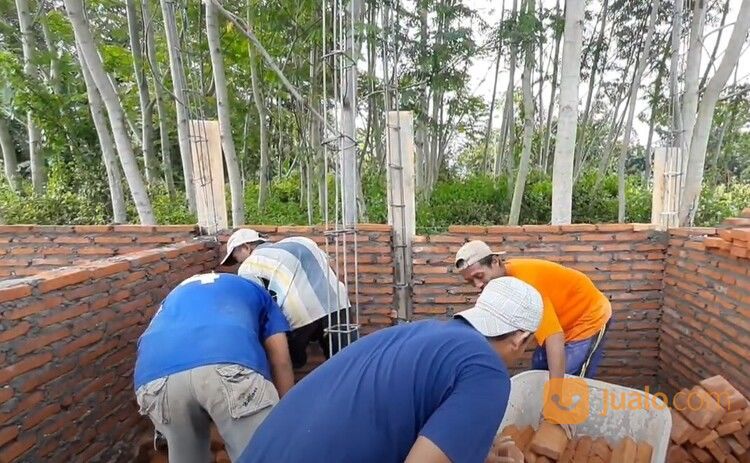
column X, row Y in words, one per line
column 483, row 69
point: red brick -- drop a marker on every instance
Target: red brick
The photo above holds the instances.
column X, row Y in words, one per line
column 677, row 454
column 503, row 229
column 6, row 393
column 374, row 227
column 728, row 396
column 614, row 227
column 57, row 279
column 643, row 452
column 17, row 449
column 134, row 229
column 92, row 228
column 7, row 434
column 51, row 373
column 62, row 315
column 72, row 240
column 15, row 229
column 27, row 364
column 38, row 417
column 14, row 262
column 625, row 451
column 728, row 428
column 22, row 251
column 737, row 222
column 183, row 228
column 19, row 329
column 549, row 440
column 39, row 340
column 541, row 228
column 105, row 268
column 577, row 248
column 467, row 229
column 40, row 305
column 79, row 343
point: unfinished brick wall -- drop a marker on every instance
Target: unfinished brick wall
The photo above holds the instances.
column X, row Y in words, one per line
column 625, row 261
column 29, row 249
column 67, row 349
column 705, row 327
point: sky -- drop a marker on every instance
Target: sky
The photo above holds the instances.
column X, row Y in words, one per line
column 482, row 70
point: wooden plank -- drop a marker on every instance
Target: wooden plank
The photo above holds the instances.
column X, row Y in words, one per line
column 208, row 175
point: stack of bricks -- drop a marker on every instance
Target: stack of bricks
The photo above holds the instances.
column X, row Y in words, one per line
column 734, row 236
column 29, row 249
column 710, row 423
column 625, row 261
column 549, row 443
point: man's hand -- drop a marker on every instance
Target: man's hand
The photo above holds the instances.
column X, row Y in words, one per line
column 504, row 450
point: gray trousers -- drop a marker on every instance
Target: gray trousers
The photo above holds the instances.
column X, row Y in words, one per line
column 182, row 406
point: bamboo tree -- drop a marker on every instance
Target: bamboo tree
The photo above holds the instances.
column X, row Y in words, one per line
column 259, row 100
column 28, row 44
column 692, row 72
column 107, row 145
column 712, row 57
column 10, row 161
column 528, row 126
column 704, row 120
column 674, row 73
column 553, row 91
column 181, row 98
column 562, row 173
column 496, row 76
column 147, row 128
column 507, row 128
column 114, row 109
column 596, row 59
column 161, row 98
column 222, row 109
column 641, row 63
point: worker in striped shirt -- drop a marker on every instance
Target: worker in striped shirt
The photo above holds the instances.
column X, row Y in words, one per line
column 298, row 275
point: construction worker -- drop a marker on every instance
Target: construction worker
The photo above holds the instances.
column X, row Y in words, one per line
column 298, row 275
column 215, row 350
column 576, row 314
column 424, row 392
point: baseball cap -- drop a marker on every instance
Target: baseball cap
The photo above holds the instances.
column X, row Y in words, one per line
column 238, row 238
column 472, row 252
column 506, row 304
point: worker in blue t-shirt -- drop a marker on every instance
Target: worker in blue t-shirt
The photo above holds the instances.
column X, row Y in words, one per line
column 213, row 352
column 424, row 392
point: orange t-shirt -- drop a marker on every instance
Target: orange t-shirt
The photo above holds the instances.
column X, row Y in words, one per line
column 572, row 304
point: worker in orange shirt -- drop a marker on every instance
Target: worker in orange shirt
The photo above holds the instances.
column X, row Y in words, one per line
column 576, row 314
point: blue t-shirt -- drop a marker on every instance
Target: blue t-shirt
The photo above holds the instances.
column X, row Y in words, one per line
column 209, row 319
column 369, row 403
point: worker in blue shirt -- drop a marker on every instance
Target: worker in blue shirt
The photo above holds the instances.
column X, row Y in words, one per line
column 216, row 350
column 424, row 392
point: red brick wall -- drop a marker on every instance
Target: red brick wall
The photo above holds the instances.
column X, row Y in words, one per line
column 29, row 249
column 67, row 348
column 625, row 261
column 705, row 327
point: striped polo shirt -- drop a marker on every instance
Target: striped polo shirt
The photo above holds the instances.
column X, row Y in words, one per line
column 298, row 272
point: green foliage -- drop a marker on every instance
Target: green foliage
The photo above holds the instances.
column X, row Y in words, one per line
column 720, row 202
column 52, row 208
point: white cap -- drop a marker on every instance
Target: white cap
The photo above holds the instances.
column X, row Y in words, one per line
column 506, row 304
column 238, row 238
column 472, row 252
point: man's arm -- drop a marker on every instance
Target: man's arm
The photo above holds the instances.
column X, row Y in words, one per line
column 425, row 451
column 277, row 351
column 555, row 347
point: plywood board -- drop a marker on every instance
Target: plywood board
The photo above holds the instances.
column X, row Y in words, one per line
column 208, row 175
